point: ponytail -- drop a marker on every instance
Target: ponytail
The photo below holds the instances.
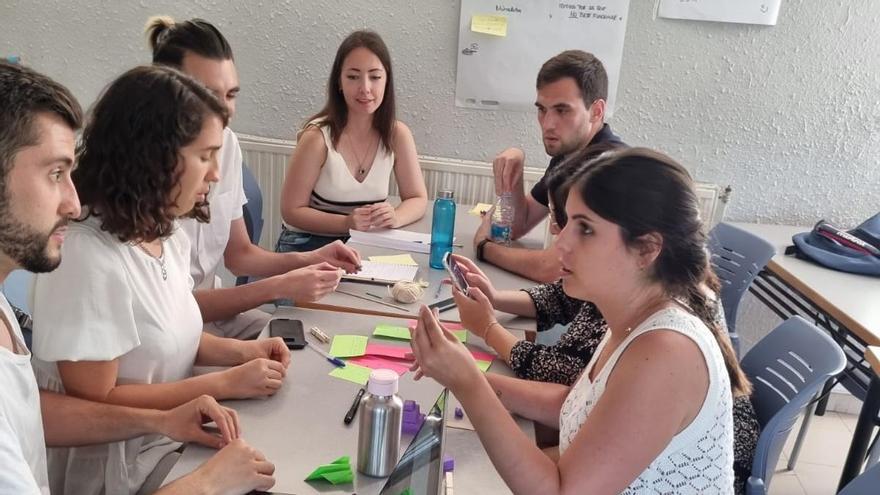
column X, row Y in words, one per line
column 157, row 26
column 170, row 41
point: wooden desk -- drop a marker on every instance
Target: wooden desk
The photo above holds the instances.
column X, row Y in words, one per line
column 301, row 426
column 844, row 304
column 465, row 227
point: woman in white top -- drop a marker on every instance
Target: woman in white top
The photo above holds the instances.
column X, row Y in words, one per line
column 652, row 412
column 339, row 174
column 131, row 331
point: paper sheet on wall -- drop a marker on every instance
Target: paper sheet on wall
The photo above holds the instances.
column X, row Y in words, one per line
column 497, row 71
column 740, row 11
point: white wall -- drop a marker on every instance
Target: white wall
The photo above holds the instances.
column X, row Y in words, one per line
column 788, row 115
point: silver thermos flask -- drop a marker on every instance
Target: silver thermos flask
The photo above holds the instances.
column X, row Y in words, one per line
column 380, row 421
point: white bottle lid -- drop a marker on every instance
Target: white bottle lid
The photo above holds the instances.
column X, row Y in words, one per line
column 382, row 382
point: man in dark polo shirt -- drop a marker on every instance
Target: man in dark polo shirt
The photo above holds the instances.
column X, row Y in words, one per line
column 572, row 88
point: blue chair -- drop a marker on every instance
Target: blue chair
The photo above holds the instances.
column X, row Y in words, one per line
column 788, row 368
column 16, row 288
column 737, row 257
column 866, row 483
column 253, row 210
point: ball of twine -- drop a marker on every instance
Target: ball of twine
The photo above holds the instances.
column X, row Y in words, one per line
column 407, row 292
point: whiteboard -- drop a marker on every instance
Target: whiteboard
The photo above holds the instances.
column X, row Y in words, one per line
column 499, row 72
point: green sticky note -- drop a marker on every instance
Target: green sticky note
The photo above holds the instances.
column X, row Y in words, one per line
column 395, row 332
column 408, row 491
column 353, row 373
column 348, row 346
column 392, row 331
column 338, row 471
column 484, row 365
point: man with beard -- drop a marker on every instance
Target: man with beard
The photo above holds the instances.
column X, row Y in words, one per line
column 38, row 119
column 572, row 89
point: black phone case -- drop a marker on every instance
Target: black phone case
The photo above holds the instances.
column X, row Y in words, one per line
column 289, row 330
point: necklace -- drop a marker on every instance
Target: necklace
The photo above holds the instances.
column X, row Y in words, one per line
column 361, row 170
column 160, row 259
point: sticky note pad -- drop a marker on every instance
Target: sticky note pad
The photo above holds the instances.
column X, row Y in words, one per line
column 353, row 373
column 394, row 332
column 495, row 25
column 395, row 259
column 480, row 208
column 338, row 471
column 348, row 346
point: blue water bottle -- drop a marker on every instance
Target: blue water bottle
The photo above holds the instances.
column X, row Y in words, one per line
column 442, row 228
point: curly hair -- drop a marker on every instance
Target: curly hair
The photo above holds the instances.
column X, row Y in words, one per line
column 130, row 148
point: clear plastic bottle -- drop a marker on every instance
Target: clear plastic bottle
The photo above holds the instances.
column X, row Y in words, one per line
column 381, row 417
column 442, row 228
column 502, row 219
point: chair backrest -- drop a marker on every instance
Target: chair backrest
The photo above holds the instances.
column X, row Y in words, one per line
column 866, row 483
column 788, row 367
column 253, row 210
column 737, row 257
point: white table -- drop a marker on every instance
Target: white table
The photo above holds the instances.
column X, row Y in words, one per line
column 465, row 227
column 301, row 426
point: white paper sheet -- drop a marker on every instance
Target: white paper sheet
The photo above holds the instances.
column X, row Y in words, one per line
column 738, row 11
column 372, row 271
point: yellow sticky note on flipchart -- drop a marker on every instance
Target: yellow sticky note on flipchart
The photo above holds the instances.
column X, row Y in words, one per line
column 495, row 25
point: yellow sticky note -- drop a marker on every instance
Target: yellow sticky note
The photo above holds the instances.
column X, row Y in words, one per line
column 495, row 25
column 353, row 373
column 348, row 346
column 480, row 209
column 395, row 259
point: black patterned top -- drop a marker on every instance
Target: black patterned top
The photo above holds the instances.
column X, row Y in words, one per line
column 563, row 361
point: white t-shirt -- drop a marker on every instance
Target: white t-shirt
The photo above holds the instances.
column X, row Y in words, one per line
column 22, row 446
column 226, row 198
column 699, row 459
column 108, row 300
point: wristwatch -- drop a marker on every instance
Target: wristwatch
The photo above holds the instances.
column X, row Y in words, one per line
column 480, row 246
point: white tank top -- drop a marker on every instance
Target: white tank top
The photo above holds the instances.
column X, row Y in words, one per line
column 337, row 190
column 699, row 459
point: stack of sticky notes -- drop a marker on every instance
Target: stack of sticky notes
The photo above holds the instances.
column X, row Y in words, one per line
column 337, row 472
column 361, row 356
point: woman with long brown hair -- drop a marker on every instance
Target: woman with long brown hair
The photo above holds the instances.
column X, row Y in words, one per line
column 339, row 174
column 652, row 410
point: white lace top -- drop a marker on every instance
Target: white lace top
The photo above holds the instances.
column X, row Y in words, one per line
column 698, row 460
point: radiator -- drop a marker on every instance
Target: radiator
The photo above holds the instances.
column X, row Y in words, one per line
column 472, row 182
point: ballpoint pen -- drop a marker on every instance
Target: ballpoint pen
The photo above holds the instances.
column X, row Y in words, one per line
column 354, row 407
column 333, row 360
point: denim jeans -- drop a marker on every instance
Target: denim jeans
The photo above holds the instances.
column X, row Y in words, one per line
column 302, row 242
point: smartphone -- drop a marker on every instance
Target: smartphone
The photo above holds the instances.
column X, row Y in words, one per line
column 455, row 273
column 289, row 330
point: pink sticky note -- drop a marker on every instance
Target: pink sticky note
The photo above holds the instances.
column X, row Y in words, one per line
column 448, row 326
column 376, row 362
column 387, row 351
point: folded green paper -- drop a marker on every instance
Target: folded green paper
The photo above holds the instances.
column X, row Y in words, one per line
column 337, row 472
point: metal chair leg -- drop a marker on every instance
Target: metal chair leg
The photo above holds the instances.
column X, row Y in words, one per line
column 802, row 434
